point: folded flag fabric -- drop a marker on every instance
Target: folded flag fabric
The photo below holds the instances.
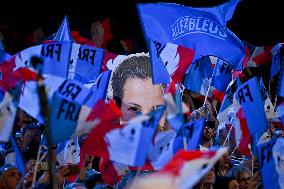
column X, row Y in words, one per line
column 270, row 159
column 188, row 167
column 249, row 97
column 108, row 116
column 222, row 75
column 63, row 33
column 260, row 56
column 85, row 63
column 130, row 145
column 68, row 152
column 201, row 29
column 169, row 62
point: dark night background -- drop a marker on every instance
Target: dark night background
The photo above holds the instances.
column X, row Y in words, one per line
column 254, row 21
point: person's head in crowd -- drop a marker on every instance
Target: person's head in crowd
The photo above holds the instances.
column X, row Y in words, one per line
column 9, row 177
column 75, row 185
column 133, row 89
column 242, row 175
column 223, row 165
column 226, row 183
column 153, row 182
column 28, row 139
column 208, row 180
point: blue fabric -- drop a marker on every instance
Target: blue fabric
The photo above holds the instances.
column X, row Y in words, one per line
column 201, row 29
column 222, row 75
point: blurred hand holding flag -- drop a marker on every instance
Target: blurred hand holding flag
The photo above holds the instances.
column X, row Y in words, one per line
column 201, row 29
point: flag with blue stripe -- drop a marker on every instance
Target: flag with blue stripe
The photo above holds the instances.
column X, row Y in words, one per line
column 201, row 29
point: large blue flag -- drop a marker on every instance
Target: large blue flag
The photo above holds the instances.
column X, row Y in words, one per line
column 63, row 33
column 85, row 63
column 201, row 29
column 249, row 97
column 270, row 158
column 222, row 75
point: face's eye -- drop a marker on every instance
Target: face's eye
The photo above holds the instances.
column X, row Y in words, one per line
column 134, row 109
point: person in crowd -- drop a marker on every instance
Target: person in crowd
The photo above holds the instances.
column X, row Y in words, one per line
column 226, row 183
column 223, row 165
column 10, row 177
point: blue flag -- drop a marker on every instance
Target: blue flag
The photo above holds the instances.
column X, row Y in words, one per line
column 99, row 88
column 201, row 29
column 63, row 33
column 280, row 110
column 85, row 63
column 20, row 161
column 270, row 158
column 193, row 132
column 198, row 75
column 276, row 61
column 280, row 87
column 130, row 145
column 222, row 75
column 4, row 56
column 249, row 97
column 65, row 109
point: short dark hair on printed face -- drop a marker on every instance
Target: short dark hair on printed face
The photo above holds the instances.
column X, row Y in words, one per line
column 133, row 67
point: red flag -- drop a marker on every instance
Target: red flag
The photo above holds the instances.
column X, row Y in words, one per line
column 108, row 114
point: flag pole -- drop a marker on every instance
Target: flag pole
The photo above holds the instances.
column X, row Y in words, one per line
column 45, row 111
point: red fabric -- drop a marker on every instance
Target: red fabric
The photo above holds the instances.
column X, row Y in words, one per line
column 107, row 32
column 107, row 56
column 108, row 172
column 218, row 95
column 264, row 57
column 246, row 139
column 82, row 40
column 108, row 114
column 186, row 57
column 181, row 157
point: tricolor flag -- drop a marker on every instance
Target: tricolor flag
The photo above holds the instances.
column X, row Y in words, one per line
column 201, row 29
column 260, row 56
column 270, row 159
column 85, row 63
column 169, row 62
column 249, row 97
column 188, row 167
column 130, row 145
column 63, row 33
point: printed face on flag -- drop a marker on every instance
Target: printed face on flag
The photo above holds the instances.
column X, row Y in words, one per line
column 202, row 29
column 132, row 87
